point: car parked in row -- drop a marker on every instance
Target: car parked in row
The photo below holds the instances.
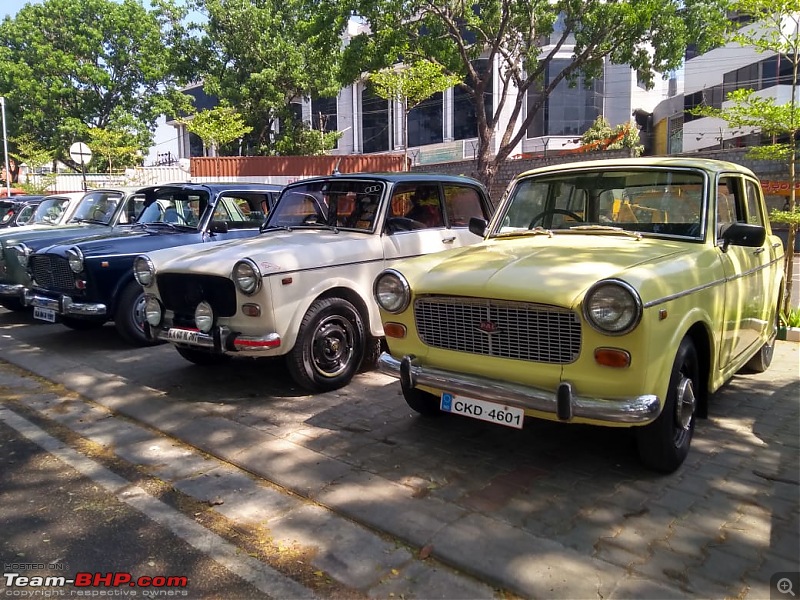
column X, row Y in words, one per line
column 15, row 211
column 302, row 288
column 85, row 283
column 618, row 293
column 52, row 210
column 98, row 211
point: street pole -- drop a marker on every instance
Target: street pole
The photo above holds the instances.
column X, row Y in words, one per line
column 5, row 147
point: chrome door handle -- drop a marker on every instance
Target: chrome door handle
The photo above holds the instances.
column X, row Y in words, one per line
column 759, row 250
column 449, row 240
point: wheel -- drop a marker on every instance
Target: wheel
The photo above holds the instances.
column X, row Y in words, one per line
column 201, row 357
column 82, row 324
column 763, row 358
column 424, row 403
column 372, row 351
column 664, row 443
column 329, row 346
column 129, row 318
column 553, row 211
column 14, row 304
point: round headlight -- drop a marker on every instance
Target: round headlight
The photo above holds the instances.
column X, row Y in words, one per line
column 391, row 291
column 612, row 307
column 144, row 271
column 152, row 311
column 246, row 276
column 22, row 252
column 204, row 317
column 75, row 259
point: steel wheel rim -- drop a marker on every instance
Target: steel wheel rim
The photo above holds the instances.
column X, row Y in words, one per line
column 138, row 314
column 332, row 347
column 685, row 403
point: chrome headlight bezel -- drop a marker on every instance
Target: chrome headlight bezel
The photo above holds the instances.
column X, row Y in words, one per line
column 153, row 311
column 204, row 317
column 391, row 291
column 23, row 252
column 144, row 271
column 612, row 307
column 246, row 277
column 75, row 259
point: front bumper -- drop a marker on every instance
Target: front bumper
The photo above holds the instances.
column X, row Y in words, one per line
column 220, row 340
column 563, row 402
column 66, row 306
column 12, row 290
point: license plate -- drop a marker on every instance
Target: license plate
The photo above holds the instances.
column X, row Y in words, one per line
column 184, row 336
column 492, row 412
column 44, row 314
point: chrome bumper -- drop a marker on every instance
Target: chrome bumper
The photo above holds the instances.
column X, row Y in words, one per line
column 563, row 402
column 64, row 305
column 12, row 290
column 220, row 340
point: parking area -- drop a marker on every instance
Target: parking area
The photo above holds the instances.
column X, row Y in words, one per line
column 551, row 510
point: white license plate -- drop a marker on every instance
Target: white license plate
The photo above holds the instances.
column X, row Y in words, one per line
column 44, row 314
column 185, row 336
column 500, row 414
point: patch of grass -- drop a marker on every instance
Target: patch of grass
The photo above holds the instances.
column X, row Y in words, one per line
column 793, row 318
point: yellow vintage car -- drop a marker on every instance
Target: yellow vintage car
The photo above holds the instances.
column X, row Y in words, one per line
column 618, row 293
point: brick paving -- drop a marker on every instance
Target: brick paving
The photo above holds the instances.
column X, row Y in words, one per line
column 547, row 511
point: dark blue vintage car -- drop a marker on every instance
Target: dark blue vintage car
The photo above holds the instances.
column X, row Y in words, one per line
column 85, row 283
column 98, row 211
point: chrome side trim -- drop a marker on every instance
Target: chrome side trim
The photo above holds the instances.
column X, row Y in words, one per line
column 637, row 410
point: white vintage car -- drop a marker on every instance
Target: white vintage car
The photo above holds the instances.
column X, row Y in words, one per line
column 303, row 287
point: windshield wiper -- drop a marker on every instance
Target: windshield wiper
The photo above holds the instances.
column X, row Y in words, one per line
column 609, row 228
column 264, row 228
column 524, row 232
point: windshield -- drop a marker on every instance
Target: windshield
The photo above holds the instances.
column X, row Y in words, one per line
column 50, row 211
column 649, row 201
column 341, row 203
column 97, row 207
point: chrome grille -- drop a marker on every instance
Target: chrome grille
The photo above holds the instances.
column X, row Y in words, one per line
column 520, row 330
column 52, row 272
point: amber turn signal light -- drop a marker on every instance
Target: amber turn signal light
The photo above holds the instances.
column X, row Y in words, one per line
column 612, row 357
column 394, row 330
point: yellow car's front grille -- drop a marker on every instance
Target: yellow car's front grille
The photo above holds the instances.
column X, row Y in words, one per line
column 520, row 330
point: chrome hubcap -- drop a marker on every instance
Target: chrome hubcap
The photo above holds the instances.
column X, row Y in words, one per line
column 332, row 347
column 685, row 404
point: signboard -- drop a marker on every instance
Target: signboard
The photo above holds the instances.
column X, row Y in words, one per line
column 80, row 153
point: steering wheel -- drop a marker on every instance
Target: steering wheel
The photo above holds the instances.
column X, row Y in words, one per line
column 554, row 211
column 403, row 224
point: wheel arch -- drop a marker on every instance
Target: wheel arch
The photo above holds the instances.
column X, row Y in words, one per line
column 701, row 338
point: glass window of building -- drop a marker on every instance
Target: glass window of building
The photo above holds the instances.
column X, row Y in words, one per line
column 465, row 123
column 374, row 122
column 425, row 122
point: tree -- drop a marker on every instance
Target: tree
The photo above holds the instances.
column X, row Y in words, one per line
column 35, row 157
column 602, row 136
column 298, row 139
column 118, row 145
column 70, row 65
column 217, row 126
column 259, row 57
column 776, row 29
column 409, row 85
column 523, row 38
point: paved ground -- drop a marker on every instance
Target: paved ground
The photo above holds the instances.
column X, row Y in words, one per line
column 548, row 511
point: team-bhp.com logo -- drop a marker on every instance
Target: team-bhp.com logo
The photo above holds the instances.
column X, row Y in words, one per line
column 90, row 581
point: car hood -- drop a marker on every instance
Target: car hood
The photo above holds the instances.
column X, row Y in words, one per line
column 119, row 241
column 555, row 270
column 273, row 251
column 38, row 238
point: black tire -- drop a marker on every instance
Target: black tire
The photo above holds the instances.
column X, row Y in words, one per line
column 372, row 351
column 424, row 403
column 201, row 357
column 129, row 317
column 763, row 358
column 330, row 346
column 14, row 304
column 82, row 324
column 664, row 443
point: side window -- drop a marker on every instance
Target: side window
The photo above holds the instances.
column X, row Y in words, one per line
column 728, row 210
column 461, row 204
column 226, row 210
column 418, row 205
column 753, row 200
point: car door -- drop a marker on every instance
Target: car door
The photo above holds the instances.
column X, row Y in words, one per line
column 425, row 217
column 746, row 270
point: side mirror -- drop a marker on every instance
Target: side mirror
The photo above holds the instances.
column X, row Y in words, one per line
column 743, row 234
column 218, row 227
column 478, row 226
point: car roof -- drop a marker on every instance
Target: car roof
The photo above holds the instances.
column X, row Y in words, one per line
column 217, row 186
column 395, row 177
column 707, row 164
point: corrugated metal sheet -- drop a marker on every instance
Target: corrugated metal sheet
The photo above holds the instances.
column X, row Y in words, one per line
column 227, row 167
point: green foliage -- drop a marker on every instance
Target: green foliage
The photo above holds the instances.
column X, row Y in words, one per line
column 69, row 65
column 118, row 145
column 298, row 139
column 601, row 135
column 259, row 56
column 40, row 185
column 793, row 317
column 412, row 84
column 217, row 126
column 651, row 36
column 791, row 216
